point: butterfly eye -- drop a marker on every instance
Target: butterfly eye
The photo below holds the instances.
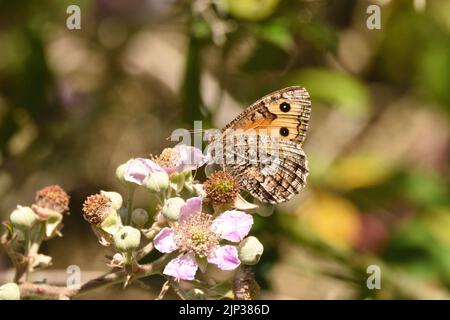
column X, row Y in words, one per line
column 285, row 107
column 284, row 131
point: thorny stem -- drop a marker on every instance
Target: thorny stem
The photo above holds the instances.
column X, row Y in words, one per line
column 165, row 287
column 44, row 291
column 180, row 292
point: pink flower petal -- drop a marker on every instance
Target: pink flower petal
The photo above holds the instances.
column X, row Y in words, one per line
column 192, row 205
column 225, row 257
column 139, row 169
column 232, row 225
column 191, row 158
column 165, row 240
column 183, row 267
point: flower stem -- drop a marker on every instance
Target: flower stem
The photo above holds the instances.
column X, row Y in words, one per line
column 38, row 238
column 31, row 290
column 130, row 197
column 27, row 244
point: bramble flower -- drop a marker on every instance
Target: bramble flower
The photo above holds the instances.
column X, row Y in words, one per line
column 197, row 236
column 50, row 203
column 138, row 170
column 53, row 198
column 99, row 208
column 221, row 188
column 180, row 158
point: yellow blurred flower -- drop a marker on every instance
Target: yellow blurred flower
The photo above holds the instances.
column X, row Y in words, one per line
column 333, row 219
column 359, row 171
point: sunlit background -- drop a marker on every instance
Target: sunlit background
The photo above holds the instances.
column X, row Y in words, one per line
column 74, row 104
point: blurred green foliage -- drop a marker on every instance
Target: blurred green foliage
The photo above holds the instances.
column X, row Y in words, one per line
column 75, row 104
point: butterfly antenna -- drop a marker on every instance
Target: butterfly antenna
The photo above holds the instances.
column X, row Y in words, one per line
column 191, row 131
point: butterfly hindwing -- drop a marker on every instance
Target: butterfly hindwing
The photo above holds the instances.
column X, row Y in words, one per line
column 285, row 111
column 274, row 177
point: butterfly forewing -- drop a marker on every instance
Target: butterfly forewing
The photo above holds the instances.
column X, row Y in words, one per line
column 288, row 108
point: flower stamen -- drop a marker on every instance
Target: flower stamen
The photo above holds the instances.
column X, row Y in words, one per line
column 194, row 235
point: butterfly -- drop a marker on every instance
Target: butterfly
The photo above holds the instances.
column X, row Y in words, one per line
column 262, row 146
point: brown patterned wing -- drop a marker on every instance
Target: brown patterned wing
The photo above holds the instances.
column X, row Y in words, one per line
column 286, row 111
column 274, row 174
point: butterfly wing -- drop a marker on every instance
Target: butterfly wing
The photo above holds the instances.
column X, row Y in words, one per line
column 270, row 169
column 286, row 111
column 262, row 146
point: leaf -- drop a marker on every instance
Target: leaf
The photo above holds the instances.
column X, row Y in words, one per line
column 277, row 33
column 426, row 189
column 333, row 87
column 252, row 10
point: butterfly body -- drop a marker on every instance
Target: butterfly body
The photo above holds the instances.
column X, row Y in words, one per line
column 261, row 147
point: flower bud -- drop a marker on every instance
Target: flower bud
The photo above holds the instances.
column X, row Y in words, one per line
column 115, row 197
column 120, row 175
column 157, row 182
column 250, row 250
column 120, row 172
column 171, row 208
column 139, row 217
column 9, row 291
column 23, row 217
column 127, row 239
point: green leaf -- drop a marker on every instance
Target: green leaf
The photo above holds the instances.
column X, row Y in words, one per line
column 277, row 33
column 252, row 10
column 333, row 87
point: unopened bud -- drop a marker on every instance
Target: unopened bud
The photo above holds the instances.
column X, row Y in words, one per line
column 157, row 182
column 171, row 208
column 9, row 291
column 23, row 217
column 250, row 250
column 139, row 217
column 127, row 239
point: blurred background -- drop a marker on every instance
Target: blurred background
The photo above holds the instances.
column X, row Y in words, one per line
column 74, row 104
